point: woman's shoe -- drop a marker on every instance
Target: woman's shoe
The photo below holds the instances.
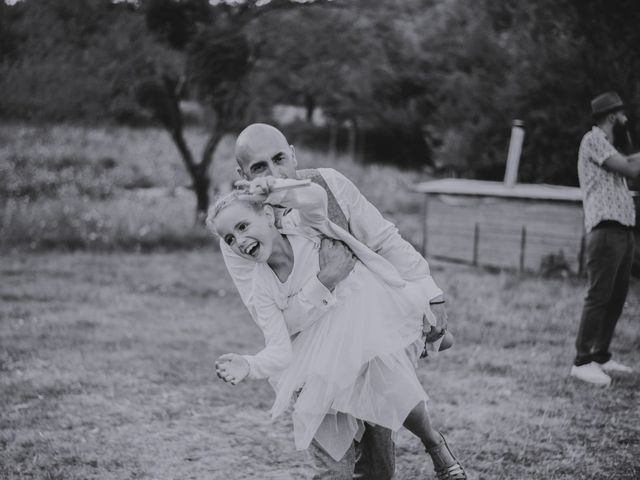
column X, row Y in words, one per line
column 446, row 465
column 454, row 472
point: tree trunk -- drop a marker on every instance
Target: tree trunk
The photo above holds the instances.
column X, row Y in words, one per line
column 210, row 148
column 185, row 153
column 159, row 96
column 310, row 106
column 199, row 177
column 201, row 185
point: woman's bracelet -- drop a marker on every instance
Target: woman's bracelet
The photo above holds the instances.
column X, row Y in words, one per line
column 439, row 302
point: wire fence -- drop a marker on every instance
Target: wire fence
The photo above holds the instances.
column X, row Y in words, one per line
column 506, row 234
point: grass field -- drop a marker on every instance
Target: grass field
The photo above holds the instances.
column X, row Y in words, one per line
column 106, row 364
column 106, row 353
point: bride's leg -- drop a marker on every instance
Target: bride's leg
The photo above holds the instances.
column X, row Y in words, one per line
column 445, row 463
column 418, row 423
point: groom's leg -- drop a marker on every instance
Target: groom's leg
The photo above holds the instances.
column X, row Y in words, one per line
column 375, row 454
column 326, row 468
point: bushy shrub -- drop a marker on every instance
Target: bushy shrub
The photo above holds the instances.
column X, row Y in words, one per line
column 389, row 146
column 126, row 223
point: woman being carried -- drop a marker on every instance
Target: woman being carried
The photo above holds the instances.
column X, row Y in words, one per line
column 350, row 366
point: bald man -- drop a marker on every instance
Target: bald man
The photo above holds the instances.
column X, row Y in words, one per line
column 263, row 150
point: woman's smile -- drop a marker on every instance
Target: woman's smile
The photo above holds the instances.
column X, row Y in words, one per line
column 252, row 249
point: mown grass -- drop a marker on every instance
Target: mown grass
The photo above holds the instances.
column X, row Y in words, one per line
column 106, row 357
column 106, row 188
column 106, row 364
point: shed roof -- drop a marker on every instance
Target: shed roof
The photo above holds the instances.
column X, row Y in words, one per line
column 529, row 191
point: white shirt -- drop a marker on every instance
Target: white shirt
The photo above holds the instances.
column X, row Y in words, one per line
column 269, row 297
column 368, row 226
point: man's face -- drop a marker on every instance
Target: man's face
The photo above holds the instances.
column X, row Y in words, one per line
column 267, row 156
column 621, row 118
column 621, row 137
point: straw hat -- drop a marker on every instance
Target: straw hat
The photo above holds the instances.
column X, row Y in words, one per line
column 606, row 102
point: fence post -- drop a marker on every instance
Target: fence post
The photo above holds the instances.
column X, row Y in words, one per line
column 523, row 244
column 476, row 240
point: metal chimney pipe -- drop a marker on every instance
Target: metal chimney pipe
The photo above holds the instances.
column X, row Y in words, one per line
column 513, row 157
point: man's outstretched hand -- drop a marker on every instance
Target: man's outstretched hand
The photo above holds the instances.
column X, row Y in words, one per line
column 336, row 262
column 440, row 312
column 431, row 333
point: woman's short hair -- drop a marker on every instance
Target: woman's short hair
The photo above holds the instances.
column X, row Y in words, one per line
column 223, row 201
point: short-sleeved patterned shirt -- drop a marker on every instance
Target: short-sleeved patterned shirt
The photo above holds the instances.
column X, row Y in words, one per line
column 605, row 194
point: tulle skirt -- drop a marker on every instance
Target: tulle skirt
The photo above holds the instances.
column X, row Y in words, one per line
column 351, row 366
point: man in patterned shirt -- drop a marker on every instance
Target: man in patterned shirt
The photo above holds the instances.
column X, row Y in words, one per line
column 609, row 218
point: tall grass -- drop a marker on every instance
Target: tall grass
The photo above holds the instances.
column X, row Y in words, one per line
column 76, row 187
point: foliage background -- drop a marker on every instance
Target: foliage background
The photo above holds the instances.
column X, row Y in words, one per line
column 106, row 350
column 423, row 82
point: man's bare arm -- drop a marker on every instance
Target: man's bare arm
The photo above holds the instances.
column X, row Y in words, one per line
column 336, row 262
column 629, row 166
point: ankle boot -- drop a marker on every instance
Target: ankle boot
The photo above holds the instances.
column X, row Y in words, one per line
column 446, row 465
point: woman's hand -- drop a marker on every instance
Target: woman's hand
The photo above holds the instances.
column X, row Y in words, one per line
column 257, row 189
column 232, row 368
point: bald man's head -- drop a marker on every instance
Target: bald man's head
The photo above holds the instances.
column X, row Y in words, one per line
column 263, row 150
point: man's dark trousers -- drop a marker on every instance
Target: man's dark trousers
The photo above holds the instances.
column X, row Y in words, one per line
column 609, row 248
column 373, row 458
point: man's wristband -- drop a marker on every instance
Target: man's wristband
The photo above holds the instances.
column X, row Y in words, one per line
column 439, row 302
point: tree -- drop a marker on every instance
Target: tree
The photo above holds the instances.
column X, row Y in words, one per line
column 218, row 56
column 72, row 60
column 351, row 60
column 571, row 51
column 435, row 81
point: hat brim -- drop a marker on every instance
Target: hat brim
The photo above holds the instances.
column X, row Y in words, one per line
column 609, row 109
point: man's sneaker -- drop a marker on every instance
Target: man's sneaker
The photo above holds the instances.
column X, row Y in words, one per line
column 591, row 373
column 613, row 366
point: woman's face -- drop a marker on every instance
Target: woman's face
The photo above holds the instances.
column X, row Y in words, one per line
column 249, row 233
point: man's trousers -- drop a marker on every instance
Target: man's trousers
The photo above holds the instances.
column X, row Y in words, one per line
column 372, row 458
column 609, row 250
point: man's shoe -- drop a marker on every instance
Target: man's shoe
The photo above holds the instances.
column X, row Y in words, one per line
column 613, row 366
column 591, row 373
